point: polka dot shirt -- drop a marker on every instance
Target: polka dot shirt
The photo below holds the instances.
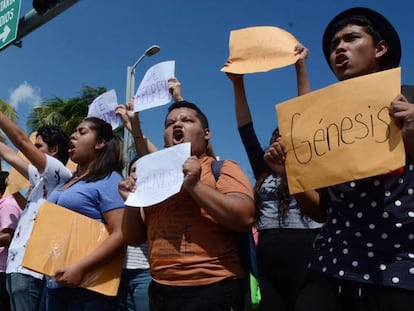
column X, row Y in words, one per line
column 369, row 233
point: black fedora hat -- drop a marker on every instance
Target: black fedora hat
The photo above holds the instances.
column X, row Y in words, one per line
column 391, row 59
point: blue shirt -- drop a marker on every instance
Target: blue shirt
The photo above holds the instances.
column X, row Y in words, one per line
column 91, row 199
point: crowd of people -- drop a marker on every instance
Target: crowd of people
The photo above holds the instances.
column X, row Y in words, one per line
column 343, row 247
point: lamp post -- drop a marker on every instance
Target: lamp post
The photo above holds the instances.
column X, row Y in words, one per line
column 130, row 90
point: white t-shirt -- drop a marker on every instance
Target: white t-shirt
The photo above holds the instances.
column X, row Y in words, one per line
column 54, row 175
column 137, row 257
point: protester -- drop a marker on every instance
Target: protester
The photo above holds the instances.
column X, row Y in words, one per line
column 46, row 170
column 10, row 213
column 93, row 192
column 284, row 232
column 191, row 236
column 136, row 276
column 363, row 258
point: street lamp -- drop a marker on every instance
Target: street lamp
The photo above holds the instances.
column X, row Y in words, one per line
column 130, row 90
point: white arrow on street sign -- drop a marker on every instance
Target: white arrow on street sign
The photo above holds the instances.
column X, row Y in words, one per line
column 5, row 33
column 9, row 21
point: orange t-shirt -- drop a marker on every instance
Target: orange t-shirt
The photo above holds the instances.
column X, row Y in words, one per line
column 186, row 246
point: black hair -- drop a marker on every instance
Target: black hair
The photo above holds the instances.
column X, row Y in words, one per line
column 359, row 20
column 185, row 104
column 3, row 184
column 376, row 25
column 110, row 158
column 282, row 189
column 131, row 163
column 54, row 136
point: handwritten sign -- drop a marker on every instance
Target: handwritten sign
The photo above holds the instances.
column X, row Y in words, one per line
column 342, row 132
column 153, row 90
column 103, row 107
column 160, row 175
column 260, row 49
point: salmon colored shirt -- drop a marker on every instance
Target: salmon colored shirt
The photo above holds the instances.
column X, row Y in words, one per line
column 186, row 246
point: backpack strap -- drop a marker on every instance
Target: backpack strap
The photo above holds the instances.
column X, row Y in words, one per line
column 408, row 92
column 216, row 168
column 245, row 248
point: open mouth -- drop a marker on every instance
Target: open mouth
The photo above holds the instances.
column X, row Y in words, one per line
column 341, row 61
column 178, row 136
column 71, row 147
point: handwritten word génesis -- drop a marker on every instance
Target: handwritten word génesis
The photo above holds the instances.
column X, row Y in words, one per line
column 346, row 131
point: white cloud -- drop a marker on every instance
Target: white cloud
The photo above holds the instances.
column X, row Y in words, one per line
column 24, row 94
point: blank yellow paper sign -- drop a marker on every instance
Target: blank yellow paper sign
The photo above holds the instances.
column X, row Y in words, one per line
column 260, row 49
column 61, row 237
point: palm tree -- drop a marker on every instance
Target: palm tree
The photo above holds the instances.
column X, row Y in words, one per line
column 11, row 113
column 66, row 113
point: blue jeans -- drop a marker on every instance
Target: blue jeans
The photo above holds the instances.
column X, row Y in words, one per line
column 25, row 292
column 133, row 290
column 77, row 299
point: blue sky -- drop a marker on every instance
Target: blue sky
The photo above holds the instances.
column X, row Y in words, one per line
column 93, row 42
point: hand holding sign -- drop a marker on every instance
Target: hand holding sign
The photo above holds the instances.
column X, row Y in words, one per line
column 342, row 132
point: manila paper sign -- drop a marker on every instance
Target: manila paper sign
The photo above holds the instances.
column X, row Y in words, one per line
column 342, row 132
column 61, row 237
column 260, row 49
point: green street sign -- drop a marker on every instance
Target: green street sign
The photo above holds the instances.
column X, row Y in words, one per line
column 9, row 21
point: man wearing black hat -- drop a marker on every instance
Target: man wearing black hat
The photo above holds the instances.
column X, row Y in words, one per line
column 364, row 255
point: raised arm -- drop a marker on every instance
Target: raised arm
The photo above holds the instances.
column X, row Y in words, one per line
column 302, row 78
column 174, row 87
column 241, row 106
column 22, row 142
column 132, row 123
column 13, row 158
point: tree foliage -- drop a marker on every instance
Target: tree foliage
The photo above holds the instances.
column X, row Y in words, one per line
column 8, row 111
column 67, row 113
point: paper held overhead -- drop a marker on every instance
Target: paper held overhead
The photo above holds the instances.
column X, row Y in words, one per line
column 260, row 49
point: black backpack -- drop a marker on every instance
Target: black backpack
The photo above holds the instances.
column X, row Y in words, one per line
column 245, row 248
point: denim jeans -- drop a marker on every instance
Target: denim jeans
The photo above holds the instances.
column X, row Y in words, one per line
column 25, row 292
column 133, row 290
column 77, row 299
